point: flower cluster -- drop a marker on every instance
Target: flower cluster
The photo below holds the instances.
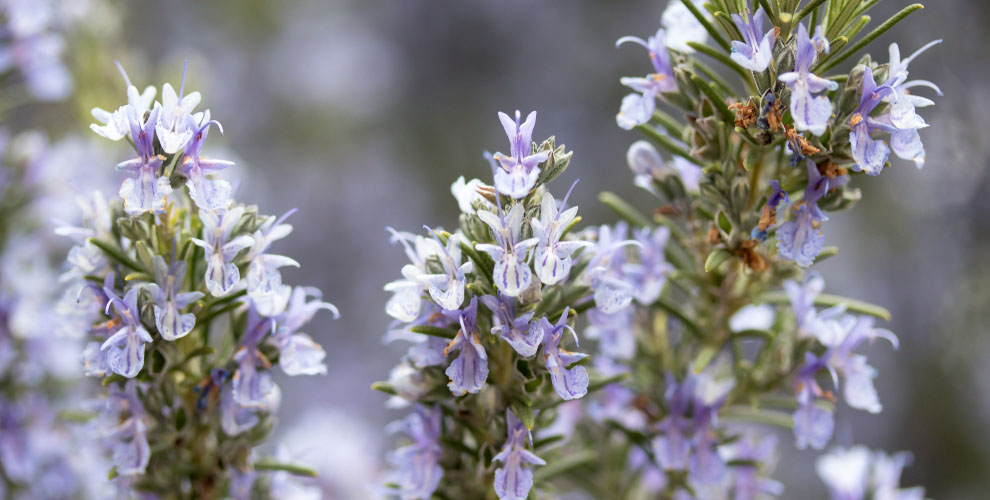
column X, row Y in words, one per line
column 183, row 301
column 32, row 42
column 41, row 452
column 700, row 324
column 490, row 309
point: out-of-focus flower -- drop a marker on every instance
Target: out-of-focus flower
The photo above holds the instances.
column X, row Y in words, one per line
column 513, row 480
column 415, row 468
column 569, row 383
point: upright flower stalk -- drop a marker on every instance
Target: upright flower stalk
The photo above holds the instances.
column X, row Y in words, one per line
column 700, row 323
column 189, row 315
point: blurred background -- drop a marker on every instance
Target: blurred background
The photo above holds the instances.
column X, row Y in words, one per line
column 362, row 113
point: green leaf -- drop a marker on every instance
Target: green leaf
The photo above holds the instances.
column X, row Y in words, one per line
column 826, row 253
column 116, row 254
column 666, row 142
column 807, row 10
column 688, row 322
column 624, row 210
column 760, row 416
column 717, row 101
column 873, row 35
column 705, row 356
column 564, row 464
column 827, row 300
column 296, row 469
column 599, row 384
column 435, row 331
column 525, row 414
column 384, row 387
column 716, row 259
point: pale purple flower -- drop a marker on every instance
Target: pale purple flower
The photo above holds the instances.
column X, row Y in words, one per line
column 673, row 447
column 754, row 455
column 169, row 300
column 523, row 334
column 514, row 480
column 415, row 468
column 407, row 299
column 176, row 124
column 426, row 350
column 569, row 383
column 637, row 109
column 649, row 275
column 870, row 154
column 646, row 163
column 131, row 451
column 858, row 473
column 711, row 389
column 802, row 239
column 447, row 289
column 887, row 477
column 115, row 125
column 842, row 337
column 409, row 384
column 615, row 401
column 145, row 191
column 802, row 297
column 234, row 418
column 125, row 347
column 902, row 116
column 469, row 370
column 467, row 196
column 298, row 353
column 511, row 273
column 253, row 385
column 208, row 192
column 812, row 424
column 221, row 272
column 94, row 360
column 810, row 113
column 552, row 259
column 756, row 51
column 264, row 281
column 615, row 332
column 612, row 288
column 518, row 172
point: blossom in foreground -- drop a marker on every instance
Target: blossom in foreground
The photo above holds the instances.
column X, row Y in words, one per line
column 523, row 334
column 169, row 300
column 125, row 347
column 801, row 239
column 221, row 272
column 756, row 51
column 469, row 371
column 810, row 113
column 552, row 259
column 569, row 383
column 518, row 173
column 511, row 273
